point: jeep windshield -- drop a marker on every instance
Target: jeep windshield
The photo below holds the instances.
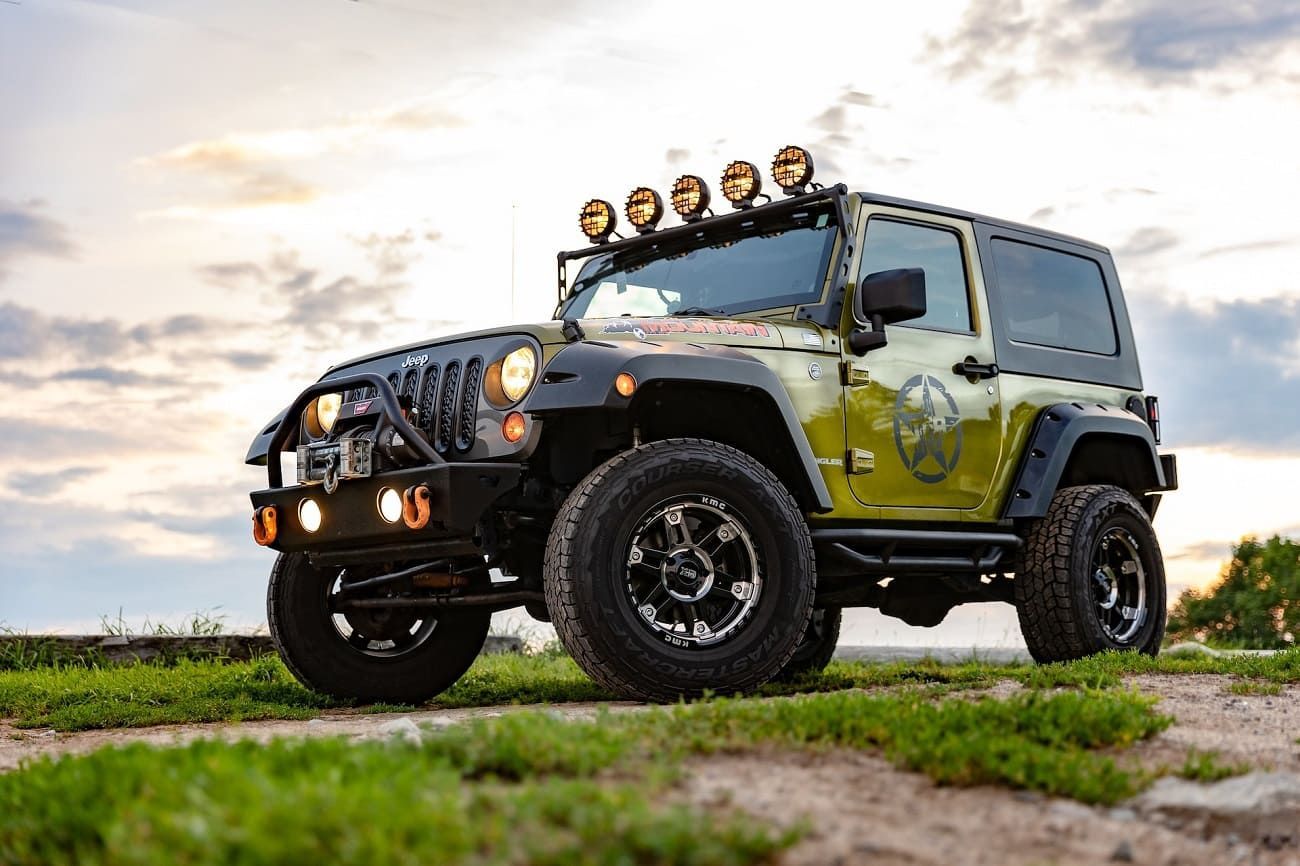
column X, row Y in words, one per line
column 776, row 262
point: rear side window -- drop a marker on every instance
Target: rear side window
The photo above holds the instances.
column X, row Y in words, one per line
column 890, row 244
column 1051, row 298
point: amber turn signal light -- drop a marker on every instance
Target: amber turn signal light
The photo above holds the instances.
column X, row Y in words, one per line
column 265, row 525
column 513, row 427
column 625, row 384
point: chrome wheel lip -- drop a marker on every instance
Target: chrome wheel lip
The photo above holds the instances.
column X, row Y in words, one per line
column 654, row 571
column 1119, row 585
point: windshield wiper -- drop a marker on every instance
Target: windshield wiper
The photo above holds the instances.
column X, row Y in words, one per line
column 699, row 311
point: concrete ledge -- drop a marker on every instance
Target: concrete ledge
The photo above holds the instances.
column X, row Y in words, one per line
column 119, row 649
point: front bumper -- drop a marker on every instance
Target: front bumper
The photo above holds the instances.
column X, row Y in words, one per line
column 350, row 519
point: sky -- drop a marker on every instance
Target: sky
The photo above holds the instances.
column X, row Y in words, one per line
column 203, row 205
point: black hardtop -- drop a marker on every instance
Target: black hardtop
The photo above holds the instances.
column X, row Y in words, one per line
column 992, row 222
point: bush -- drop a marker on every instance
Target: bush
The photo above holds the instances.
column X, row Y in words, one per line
column 1256, row 602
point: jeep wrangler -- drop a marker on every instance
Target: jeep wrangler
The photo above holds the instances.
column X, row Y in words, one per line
column 735, row 427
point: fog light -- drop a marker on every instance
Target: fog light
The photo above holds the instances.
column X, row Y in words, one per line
column 513, row 427
column 741, row 184
column 596, row 219
column 690, row 197
column 792, row 169
column 644, row 209
column 625, row 384
column 309, row 516
column 390, row 505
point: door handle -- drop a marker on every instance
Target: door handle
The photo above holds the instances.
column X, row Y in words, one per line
column 974, row 370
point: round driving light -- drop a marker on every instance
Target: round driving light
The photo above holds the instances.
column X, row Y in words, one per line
column 792, row 169
column 690, row 197
column 309, row 515
column 513, row 427
column 390, row 505
column 517, row 371
column 740, row 183
column 327, row 410
column 644, row 209
column 596, row 219
column 625, row 384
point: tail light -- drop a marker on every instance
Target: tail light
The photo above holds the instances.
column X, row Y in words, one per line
column 1153, row 417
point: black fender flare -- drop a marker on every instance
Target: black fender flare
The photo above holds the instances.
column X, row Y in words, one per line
column 1058, row 430
column 581, row 377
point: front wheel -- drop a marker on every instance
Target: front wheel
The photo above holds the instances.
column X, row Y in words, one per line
column 398, row 655
column 817, row 647
column 680, row 566
column 1092, row 578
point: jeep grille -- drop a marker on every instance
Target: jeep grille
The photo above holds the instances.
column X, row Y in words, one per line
column 445, row 400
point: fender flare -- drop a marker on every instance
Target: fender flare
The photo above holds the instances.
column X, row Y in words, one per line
column 1056, row 433
column 581, row 377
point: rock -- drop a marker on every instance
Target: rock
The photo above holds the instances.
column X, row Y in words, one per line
column 1259, row 807
column 1123, row 852
column 402, row 728
column 1122, row 814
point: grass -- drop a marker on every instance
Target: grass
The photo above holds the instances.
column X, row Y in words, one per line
column 1205, row 767
column 80, row 698
column 529, row 787
column 1255, row 687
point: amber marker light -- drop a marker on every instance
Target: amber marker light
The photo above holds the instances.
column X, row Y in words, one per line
column 644, row 209
column 741, row 184
column 596, row 219
column 792, row 169
column 625, row 384
column 690, row 197
column 513, row 427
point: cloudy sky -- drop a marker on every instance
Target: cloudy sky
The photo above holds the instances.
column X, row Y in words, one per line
column 202, row 205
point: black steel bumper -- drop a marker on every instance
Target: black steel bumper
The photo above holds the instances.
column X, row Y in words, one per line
column 350, row 519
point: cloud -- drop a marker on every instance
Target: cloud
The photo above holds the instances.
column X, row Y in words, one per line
column 232, row 274
column 1147, row 241
column 27, row 334
column 1248, row 247
column 48, row 483
column 676, row 155
column 25, row 231
column 1227, row 376
column 117, row 377
column 1006, row 44
column 249, row 174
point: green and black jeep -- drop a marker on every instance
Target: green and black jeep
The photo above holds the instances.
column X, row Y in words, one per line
column 734, row 428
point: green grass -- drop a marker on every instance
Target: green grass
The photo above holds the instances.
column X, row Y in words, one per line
column 1205, row 767
column 529, row 787
column 80, row 698
column 1255, row 687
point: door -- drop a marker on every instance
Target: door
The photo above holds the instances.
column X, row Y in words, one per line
column 920, row 434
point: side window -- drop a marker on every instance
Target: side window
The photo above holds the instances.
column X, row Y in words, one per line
column 892, row 244
column 1053, row 298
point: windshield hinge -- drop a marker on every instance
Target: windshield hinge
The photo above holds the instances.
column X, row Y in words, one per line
column 572, row 331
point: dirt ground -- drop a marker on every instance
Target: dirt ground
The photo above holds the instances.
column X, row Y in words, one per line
column 862, row 810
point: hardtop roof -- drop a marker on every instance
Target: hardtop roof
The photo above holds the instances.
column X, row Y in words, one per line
column 941, row 210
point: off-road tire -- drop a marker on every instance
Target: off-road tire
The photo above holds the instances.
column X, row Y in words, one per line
column 314, row 652
column 1054, row 593
column 816, row 647
column 586, row 562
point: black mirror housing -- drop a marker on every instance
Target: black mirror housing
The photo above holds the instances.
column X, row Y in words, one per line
column 884, row 298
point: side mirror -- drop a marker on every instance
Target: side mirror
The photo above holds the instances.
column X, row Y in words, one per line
column 884, row 298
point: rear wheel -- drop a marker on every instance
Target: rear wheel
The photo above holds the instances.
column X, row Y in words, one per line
column 817, row 647
column 680, row 566
column 402, row 655
column 1092, row 577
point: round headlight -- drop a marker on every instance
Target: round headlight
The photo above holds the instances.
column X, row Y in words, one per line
column 792, row 169
column 322, row 413
column 740, row 183
column 596, row 219
column 644, row 209
column 690, row 197
column 390, row 505
column 517, row 371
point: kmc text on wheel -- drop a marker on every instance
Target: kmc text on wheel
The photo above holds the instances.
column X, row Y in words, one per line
column 680, row 566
